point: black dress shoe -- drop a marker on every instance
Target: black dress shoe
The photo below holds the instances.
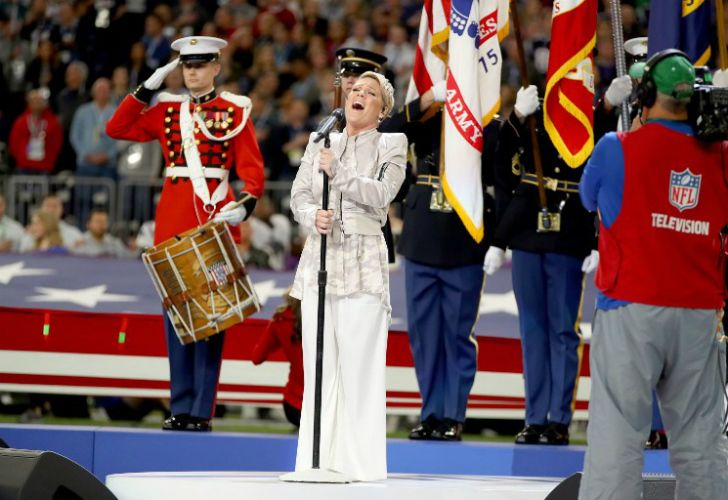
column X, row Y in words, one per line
column 555, row 434
column 200, row 425
column 449, row 430
column 424, row 430
column 530, row 434
column 656, row 441
column 179, row 422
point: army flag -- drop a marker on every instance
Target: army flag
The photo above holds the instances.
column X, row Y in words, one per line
column 680, row 24
column 568, row 113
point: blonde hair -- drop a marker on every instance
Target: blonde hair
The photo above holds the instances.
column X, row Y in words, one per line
column 52, row 231
column 387, row 90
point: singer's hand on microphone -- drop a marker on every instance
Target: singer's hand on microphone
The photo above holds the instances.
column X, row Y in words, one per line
column 328, row 162
column 324, row 221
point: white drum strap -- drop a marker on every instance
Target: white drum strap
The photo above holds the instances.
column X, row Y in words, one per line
column 192, row 157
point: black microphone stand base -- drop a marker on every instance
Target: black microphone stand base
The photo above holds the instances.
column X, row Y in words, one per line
column 316, row 476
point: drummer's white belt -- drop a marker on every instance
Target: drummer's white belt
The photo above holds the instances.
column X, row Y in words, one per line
column 208, row 172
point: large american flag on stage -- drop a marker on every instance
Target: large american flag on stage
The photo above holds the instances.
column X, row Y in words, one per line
column 568, row 114
column 467, row 55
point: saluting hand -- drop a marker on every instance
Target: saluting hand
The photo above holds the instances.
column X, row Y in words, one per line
column 324, row 221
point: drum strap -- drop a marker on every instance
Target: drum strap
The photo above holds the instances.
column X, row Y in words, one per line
column 192, row 156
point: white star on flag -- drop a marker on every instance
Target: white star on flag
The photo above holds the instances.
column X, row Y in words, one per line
column 10, row 271
column 87, row 297
column 267, row 289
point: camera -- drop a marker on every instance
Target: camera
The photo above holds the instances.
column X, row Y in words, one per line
column 708, row 109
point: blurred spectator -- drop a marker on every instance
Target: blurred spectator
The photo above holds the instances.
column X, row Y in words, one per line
column 138, row 68
column 52, row 204
column 68, row 101
column 37, row 23
column 46, row 69
column 44, row 233
column 305, row 86
column 313, row 22
column 284, row 332
column 189, row 17
column 156, row 46
column 36, row 136
column 63, row 33
column 265, row 118
column 271, row 232
column 11, row 231
column 144, row 238
column 244, row 11
column 95, row 151
column 360, row 37
column 97, row 242
column 224, row 23
column 282, row 45
column 252, row 256
column 400, row 56
column 278, row 11
column 119, row 84
column 289, row 140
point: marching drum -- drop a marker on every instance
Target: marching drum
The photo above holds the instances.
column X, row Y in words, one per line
column 202, row 281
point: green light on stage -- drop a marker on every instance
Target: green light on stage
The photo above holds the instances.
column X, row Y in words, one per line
column 46, row 330
column 122, row 337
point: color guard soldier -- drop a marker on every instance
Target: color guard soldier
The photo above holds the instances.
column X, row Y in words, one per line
column 203, row 136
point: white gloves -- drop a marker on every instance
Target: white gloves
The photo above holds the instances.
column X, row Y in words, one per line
column 494, row 259
column 439, row 91
column 720, row 78
column 155, row 81
column 619, row 90
column 591, row 262
column 231, row 214
column 526, row 101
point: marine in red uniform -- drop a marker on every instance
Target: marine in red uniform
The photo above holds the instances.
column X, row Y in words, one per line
column 203, row 136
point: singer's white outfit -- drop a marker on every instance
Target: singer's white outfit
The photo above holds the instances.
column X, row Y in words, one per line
column 367, row 176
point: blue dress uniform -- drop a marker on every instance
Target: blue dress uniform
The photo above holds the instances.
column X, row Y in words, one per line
column 444, row 280
column 547, row 279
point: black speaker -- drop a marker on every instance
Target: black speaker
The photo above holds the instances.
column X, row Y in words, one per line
column 654, row 487
column 44, row 475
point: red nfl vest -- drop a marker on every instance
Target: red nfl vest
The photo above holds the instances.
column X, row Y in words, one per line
column 664, row 248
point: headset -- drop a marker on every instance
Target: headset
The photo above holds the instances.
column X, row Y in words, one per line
column 647, row 89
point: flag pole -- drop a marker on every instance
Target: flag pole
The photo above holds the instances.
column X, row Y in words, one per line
column 720, row 25
column 544, row 215
column 615, row 10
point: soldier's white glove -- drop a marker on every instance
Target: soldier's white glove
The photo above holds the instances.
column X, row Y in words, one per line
column 619, row 90
column 155, row 81
column 720, row 78
column 439, row 91
column 526, row 101
column 494, row 259
column 231, row 214
column 591, row 262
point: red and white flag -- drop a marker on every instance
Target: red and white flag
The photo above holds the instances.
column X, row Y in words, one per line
column 431, row 55
column 568, row 114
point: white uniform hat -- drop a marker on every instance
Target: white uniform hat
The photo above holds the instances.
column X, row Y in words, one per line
column 198, row 48
column 636, row 47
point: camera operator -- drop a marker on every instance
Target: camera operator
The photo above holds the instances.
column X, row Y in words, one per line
column 661, row 194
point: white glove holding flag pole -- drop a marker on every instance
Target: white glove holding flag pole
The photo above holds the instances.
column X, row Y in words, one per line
column 439, row 91
column 720, row 78
column 233, row 213
column 619, row 90
column 494, row 259
column 526, row 101
column 591, row 262
column 155, row 81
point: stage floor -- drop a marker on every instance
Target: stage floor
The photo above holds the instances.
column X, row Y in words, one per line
column 266, row 485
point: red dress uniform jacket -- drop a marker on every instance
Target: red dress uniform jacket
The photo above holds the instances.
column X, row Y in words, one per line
column 24, row 129
column 179, row 208
column 664, row 248
column 280, row 334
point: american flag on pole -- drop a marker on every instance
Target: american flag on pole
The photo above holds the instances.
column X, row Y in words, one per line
column 568, row 112
column 472, row 68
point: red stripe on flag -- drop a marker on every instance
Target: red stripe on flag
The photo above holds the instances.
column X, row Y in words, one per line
column 420, row 75
column 488, row 27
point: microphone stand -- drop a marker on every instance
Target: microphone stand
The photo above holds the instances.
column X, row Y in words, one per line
column 315, row 474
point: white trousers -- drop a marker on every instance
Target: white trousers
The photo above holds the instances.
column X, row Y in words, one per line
column 353, row 408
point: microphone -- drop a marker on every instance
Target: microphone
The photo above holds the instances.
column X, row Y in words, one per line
column 328, row 124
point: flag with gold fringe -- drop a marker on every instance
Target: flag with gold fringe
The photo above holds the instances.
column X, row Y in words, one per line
column 569, row 96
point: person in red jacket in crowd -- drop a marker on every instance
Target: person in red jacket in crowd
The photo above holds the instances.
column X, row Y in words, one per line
column 36, row 137
column 203, row 136
column 284, row 332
